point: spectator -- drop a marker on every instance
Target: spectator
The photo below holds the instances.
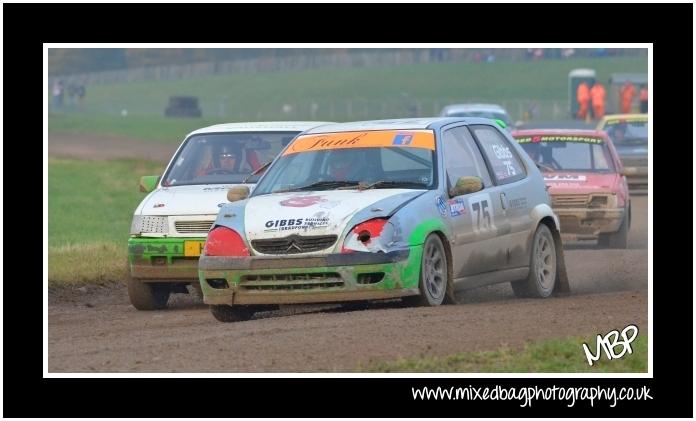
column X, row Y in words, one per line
column 627, row 92
column 58, row 94
column 598, row 95
column 81, row 96
column 644, row 99
column 583, row 98
column 72, row 91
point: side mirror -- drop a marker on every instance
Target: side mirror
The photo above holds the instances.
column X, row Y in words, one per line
column 148, row 183
column 465, row 185
column 237, row 193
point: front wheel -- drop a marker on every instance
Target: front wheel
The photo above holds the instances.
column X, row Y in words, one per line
column 434, row 280
column 616, row 240
column 542, row 268
column 146, row 296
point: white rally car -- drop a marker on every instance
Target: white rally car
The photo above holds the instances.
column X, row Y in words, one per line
column 170, row 225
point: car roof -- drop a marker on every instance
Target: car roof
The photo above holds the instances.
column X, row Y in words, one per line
column 568, row 132
column 474, row 107
column 266, row 126
column 397, row 124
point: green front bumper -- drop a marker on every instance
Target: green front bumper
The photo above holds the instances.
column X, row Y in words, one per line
column 294, row 280
column 163, row 259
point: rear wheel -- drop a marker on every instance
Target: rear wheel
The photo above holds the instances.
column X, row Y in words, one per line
column 542, row 268
column 433, row 281
column 227, row 314
column 146, row 296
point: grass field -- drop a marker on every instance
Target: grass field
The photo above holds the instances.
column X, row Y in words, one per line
column 551, row 356
column 340, row 94
column 90, row 207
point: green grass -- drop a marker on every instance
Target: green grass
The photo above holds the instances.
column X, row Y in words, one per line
column 90, row 208
column 550, row 356
column 341, row 94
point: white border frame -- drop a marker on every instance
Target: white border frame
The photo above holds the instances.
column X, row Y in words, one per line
column 649, row 374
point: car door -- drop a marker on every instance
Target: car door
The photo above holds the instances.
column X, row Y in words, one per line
column 512, row 193
column 475, row 217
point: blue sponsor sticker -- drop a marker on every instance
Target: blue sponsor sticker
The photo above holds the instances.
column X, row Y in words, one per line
column 441, row 206
column 402, row 139
column 457, row 207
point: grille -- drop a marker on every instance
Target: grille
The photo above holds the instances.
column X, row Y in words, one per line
column 193, row 227
column 569, row 200
column 294, row 244
column 291, row 281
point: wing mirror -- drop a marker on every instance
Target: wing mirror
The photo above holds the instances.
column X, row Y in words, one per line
column 465, row 185
column 148, row 183
column 237, row 193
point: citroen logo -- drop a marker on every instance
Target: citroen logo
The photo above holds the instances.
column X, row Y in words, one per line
column 293, row 244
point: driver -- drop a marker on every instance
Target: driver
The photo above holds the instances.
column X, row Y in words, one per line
column 224, row 162
column 345, row 165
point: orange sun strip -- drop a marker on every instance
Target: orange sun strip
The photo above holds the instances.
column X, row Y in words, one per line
column 424, row 139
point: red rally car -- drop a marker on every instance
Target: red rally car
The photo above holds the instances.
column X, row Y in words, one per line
column 585, row 179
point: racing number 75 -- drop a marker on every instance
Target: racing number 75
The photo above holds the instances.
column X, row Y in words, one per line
column 482, row 208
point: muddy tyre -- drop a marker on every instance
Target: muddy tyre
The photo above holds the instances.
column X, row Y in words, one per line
column 542, row 269
column 229, row 314
column 144, row 296
column 616, row 240
column 434, row 282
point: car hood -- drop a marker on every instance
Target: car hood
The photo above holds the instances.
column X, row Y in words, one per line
column 187, row 200
column 316, row 213
column 580, row 183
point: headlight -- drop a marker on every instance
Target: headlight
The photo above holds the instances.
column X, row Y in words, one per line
column 602, row 201
column 372, row 236
column 149, row 224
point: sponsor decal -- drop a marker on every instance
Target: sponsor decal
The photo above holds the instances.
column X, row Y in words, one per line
column 302, row 201
column 457, row 207
column 424, row 139
column 402, row 139
column 441, row 206
column 568, row 177
column 558, row 138
column 158, row 205
column 274, row 225
column 518, row 203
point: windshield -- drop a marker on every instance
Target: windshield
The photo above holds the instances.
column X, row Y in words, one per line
column 568, row 153
column 627, row 132
column 224, row 158
column 354, row 160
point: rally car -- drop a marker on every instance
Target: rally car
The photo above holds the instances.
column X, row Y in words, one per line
column 170, row 224
column 589, row 192
column 492, row 111
column 629, row 133
column 413, row 208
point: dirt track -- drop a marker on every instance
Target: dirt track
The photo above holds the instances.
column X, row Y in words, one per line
column 96, row 330
column 102, row 147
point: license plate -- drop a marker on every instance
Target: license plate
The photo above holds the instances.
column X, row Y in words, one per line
column 193, row 248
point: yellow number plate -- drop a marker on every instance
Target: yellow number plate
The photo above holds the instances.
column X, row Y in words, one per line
column 193, row 248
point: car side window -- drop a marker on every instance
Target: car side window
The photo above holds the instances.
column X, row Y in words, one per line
column 462, row 157
column 502, row 157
